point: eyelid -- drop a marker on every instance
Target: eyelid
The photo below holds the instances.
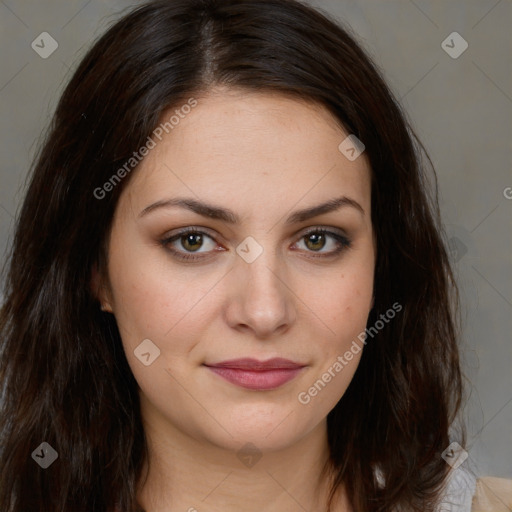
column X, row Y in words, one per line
column 342, row 239
column 200, row 230
column 326, row 229
column 213, row 234
column 184, row 256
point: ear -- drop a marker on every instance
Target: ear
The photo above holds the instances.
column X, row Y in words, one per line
column 100, row 290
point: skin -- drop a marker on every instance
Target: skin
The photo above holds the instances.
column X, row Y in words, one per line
column 263, row 156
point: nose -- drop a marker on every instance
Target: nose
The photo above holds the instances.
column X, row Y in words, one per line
column 262, row 302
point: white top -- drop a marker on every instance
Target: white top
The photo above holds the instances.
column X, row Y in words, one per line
column 459, row 491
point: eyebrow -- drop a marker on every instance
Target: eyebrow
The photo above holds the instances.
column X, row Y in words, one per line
column 226, row 215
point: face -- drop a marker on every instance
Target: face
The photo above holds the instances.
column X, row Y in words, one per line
column 244, row 234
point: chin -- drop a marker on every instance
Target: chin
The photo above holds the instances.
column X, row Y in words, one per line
column 269, row 428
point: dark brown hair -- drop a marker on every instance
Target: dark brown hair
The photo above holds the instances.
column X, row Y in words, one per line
column 64, row 376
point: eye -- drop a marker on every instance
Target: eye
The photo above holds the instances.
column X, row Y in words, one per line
column 189, row 241
column 323, row 242
column 194, row 244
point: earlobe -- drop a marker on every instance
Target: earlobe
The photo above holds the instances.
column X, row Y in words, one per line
column 106, row 307
column 99, row 291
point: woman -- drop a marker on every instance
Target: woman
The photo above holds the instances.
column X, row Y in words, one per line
column 228, row 287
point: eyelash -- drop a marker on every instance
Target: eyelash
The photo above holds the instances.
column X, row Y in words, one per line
column 342, row 241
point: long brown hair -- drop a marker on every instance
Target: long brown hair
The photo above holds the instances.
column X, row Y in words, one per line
column 64, row 376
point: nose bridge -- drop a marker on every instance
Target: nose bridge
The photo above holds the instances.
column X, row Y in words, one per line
column 263, row 301
column 258, row 261
column 263, row 280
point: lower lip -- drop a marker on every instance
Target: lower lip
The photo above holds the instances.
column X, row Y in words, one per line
column 260, row 380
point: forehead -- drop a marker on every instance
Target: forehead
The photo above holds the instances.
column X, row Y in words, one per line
column 241, row 146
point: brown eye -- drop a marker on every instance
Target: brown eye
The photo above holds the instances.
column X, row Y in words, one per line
column 190, row 244
column 316, row 240
column 191, row 241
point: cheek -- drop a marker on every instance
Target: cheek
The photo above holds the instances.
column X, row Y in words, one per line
column 146, row 304
column 344, row 306
column 345, row 302
column 152, row 300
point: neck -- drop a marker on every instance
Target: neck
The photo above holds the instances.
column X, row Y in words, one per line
column 190, row 474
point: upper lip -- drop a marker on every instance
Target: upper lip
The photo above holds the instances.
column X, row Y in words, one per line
column 276, row 363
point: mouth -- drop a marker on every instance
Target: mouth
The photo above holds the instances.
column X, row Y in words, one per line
column 257, row 375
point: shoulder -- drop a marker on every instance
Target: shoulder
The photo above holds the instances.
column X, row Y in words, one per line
column 465, row 493
column 492, row 494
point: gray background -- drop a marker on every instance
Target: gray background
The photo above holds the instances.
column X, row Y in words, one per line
column 461, row 108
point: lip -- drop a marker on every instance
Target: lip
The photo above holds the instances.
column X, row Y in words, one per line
column 258, row 375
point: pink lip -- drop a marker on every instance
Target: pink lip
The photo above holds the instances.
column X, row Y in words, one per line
column 253, row 374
